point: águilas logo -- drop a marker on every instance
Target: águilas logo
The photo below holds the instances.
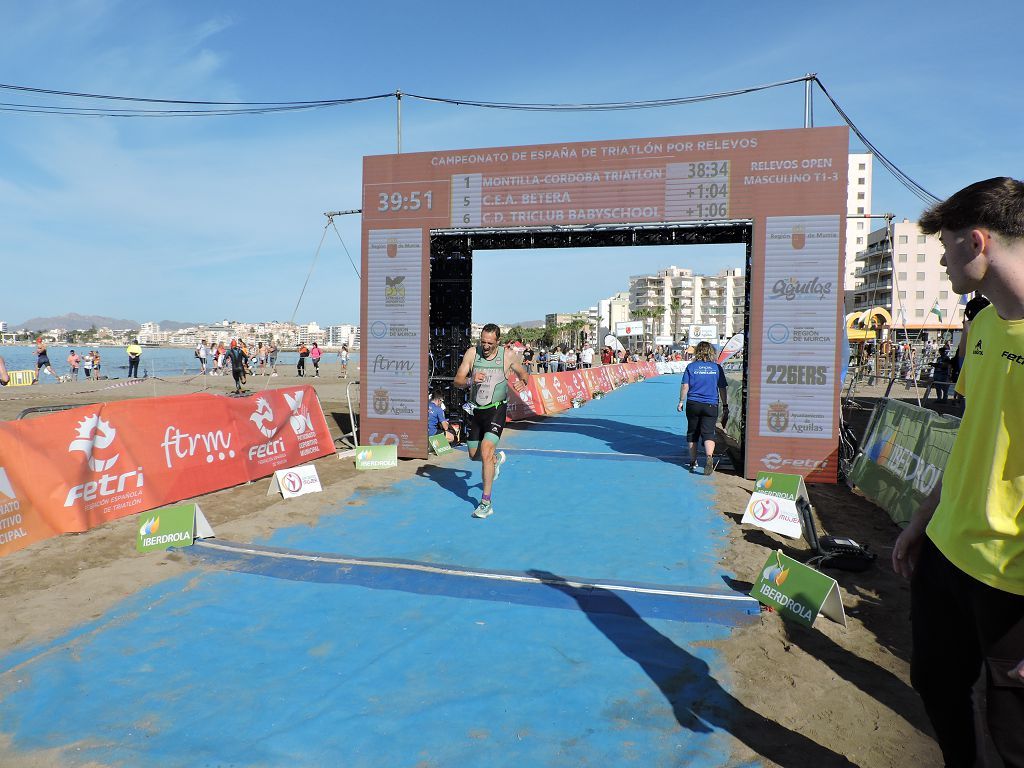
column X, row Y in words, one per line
column 150, row 527
column 263, row 414
column 793, row 287
column 299, row 420
column 381, row 400
column 94, row 433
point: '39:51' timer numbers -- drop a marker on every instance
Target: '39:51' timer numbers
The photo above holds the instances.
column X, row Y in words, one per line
column 396, row 201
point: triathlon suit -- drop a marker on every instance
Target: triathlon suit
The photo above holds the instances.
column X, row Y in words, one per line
column 490, row 398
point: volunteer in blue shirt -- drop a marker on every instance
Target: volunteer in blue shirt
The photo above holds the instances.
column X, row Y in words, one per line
column 437, row 420
column 703, row 384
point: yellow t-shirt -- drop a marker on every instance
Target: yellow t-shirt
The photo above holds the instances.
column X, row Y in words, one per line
column 979, row 523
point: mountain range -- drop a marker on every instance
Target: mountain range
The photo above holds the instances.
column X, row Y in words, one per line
column 75, row 322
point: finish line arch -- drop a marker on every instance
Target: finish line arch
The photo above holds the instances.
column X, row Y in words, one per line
column 787, row 188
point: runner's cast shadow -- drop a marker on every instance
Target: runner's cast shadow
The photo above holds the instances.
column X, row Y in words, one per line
column 454, row 480
column 620, row 437
column 696, row 698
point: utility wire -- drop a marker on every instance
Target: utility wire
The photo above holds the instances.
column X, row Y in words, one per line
column 602, row 106
column 920, row 192
column 226, row 108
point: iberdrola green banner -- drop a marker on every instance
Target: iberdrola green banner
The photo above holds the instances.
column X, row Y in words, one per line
column 903, row 456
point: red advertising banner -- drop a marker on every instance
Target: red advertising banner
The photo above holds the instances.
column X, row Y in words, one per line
column 74, row 470
column 551, row 393
column 525, row 404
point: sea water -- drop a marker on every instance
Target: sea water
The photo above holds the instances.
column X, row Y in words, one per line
column 156, row 361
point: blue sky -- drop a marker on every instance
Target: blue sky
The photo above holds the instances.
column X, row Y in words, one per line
column 208, row 218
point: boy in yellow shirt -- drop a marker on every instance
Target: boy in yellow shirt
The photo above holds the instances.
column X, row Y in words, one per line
column 964, row 547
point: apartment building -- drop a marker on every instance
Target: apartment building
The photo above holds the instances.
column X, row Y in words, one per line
column 686, row 298
column 858, row 205
column 900, row 272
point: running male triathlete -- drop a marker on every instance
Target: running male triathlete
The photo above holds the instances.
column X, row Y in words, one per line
column 489, row 364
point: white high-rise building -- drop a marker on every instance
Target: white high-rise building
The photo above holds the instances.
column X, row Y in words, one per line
column 858, row 205
column 336, row 335
column 685, row 298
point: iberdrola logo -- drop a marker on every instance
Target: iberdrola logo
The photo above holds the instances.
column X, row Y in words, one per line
column 775, row 574
column 763, row 484
column 365, row 455
column 93, row 432
column 150, row 527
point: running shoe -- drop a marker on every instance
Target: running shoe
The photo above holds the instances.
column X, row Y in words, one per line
column 709, row 466
column 485, row 509
column 692, row 465
column 499, row 459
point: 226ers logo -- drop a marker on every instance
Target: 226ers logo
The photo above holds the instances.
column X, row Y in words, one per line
column 778, row 417
column 381, row 400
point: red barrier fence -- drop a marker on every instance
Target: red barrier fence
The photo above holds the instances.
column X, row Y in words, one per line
column 551, row 393
column 74, row 470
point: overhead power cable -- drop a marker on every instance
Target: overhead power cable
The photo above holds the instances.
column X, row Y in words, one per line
column 602, row 106
column 920, row 192
column 206, row 108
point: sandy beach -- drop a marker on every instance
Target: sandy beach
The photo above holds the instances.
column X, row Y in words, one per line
column 848, row 689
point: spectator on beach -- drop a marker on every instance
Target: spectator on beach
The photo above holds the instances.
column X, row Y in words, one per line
column 73, row 362
column 315, row 355
column 702, row 386
column 528, row 358
column 964, row 547
column 5, row 378
column 261, row 359
column 941, row 369
column 96, row 364
column 42, row 360
column 437, row 419
column 134, row 355
column 300, row 366
column 200, row 354
column 587, row 357
column 87, row 364
column 343, row 360
column 272, row 357
column 542, row 361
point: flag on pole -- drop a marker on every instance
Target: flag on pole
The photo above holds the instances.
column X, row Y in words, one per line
column 935, row 310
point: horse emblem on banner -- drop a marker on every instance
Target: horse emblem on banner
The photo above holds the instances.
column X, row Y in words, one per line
column 778, row 417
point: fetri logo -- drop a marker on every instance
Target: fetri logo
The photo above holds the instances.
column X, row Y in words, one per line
column 93, row 432
column 150, row 528
column 92, row 436
column 264, row 413
column 299, row 420
column 6, row 489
